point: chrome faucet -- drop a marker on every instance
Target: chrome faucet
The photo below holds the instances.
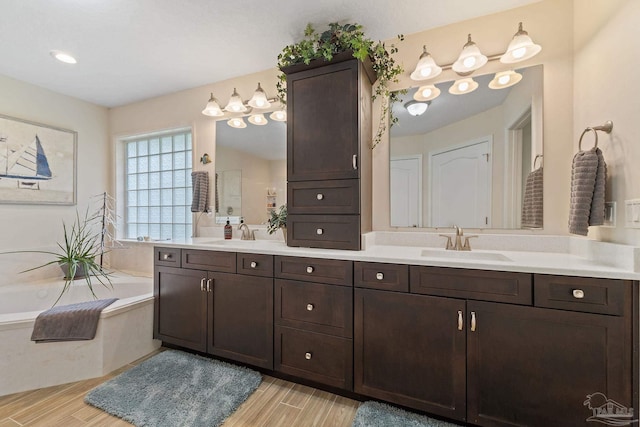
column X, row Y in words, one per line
column 247, row 234
column 458, row 246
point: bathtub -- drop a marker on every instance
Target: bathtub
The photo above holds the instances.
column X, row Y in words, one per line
column 125, row 332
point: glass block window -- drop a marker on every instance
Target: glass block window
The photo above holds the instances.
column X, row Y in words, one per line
column 158, row 186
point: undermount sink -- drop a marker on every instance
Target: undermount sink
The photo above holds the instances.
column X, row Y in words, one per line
column 465, row 255
column 222, row 242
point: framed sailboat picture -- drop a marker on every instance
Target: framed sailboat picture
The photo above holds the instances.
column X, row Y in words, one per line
column 37, row 163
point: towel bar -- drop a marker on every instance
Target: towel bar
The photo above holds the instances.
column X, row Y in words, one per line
column 606, row 127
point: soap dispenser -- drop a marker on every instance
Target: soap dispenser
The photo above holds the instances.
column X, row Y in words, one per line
column 228, row 231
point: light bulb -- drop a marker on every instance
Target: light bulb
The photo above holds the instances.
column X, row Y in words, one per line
column 519, row 53
column 279, row 115
column 425, row 72
column 504, row 79
column 426, row 93
column 259, row 102
column 463, row 86
column 469, row 62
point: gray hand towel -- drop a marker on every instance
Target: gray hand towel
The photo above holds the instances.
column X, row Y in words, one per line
column 532, row 202
column 588, row 181
column 71, row 322
column 200, row 183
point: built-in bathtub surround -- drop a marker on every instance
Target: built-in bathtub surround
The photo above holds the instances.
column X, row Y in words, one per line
column 124, row 333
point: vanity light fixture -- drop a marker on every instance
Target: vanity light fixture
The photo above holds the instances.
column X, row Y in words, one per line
column 462, row 86
column 237, row 122
column 426, row 93
column 520, row 48
column 213, row 108
column 279, row 116
column 426, row 67
column 416, row 108
column 63, row 57
column 258, row 119
column 505, row 79
column 470, row 58
column 259, row 99
column 235, row 104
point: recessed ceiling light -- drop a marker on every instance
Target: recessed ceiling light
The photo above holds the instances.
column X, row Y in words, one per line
column 63, row 57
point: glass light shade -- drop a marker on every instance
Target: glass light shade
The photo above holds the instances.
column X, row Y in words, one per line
column 258, row 119
column 520, row 48
column 259, row 99
column 426, row 93
column 279, row 116
column 235, row 104
column 462, row 86
column 416, row 108
column 426, row 67
column 213, row 108
column 505, row 79
column 470, row 58
column 237, row 122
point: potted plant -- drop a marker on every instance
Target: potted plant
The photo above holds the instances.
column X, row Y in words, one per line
column 278, row 220
column 342, row 38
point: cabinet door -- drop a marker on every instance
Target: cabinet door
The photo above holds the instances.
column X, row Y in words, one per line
column 535, row 367
column 180, row 315
column 409, row 349
column 323, row 130
column 241, row 318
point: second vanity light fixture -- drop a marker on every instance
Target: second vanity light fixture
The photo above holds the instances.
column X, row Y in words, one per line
column 236, row 105
column 470, row 59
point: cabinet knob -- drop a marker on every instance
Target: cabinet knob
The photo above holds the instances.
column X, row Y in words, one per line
column 310, row 307
column 307, row 355
column 309, row 269
column 578, row 293
column 319, row 231
column 166, row 256
column 253, row 264
column 379, row 276
column 319, row 196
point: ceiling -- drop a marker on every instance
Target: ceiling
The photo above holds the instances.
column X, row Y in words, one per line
column 130, row 50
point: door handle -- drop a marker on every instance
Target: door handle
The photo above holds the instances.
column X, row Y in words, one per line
column 354, row 162
column 209, row 283
column 202, row 284
column 460, row 320
column 473, row 321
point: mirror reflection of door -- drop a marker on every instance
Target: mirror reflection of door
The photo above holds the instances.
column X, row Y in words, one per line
column 460, row 186
column 406, row 191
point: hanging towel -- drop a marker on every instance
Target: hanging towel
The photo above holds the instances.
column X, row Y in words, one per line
column 217, row 201
column 533, row 200
column 588, row 180
column 200, row 183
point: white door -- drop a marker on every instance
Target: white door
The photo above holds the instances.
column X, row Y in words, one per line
column 461, row 186
column 406, row 191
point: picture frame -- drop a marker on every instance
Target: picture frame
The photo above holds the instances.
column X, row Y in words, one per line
column 38, row 163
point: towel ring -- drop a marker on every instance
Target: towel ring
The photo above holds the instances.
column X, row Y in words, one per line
column 585, row 131
column 606, row 127
column 538, row 156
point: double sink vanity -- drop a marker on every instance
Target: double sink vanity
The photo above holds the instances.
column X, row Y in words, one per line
column 491, row 338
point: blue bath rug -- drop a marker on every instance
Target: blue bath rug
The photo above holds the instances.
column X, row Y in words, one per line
column 376, row 414
column 175, row 388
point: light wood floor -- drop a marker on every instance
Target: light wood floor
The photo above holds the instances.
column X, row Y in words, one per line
column 275, row 403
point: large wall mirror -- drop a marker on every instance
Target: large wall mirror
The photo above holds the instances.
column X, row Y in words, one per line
column 251, row 171
column 472, row 160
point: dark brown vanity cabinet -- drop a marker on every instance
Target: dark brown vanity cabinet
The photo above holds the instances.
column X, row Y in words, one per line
column 476, row 346
column 314, row 319
column 328, row 154
column 208, row 307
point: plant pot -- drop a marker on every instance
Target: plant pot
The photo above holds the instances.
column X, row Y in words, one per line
column 80, row 273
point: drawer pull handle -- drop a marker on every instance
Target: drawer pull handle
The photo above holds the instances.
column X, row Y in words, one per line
column 354, row 162
column 460, row 320
column 578, row 293
column 310, row 307
column 319, row 231
column 307, row 355
column 254, row 264
column 209, row 282
column 473, row 321
column 309, row 269
column 166, row 256
column 319, row 196
column 379, row 276
column 202, row 283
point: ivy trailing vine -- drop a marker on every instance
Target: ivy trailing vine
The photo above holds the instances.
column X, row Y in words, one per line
column 348, row 37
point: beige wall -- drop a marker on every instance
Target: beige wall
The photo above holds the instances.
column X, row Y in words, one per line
column 29, row 227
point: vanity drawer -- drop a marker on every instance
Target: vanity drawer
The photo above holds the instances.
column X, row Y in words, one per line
column 324, row 197
column 324, row 231
column 255, row 264
column 224, row 262
column 166, row 257
column 499, row 286
column 602, row 296
column 317, row 357
column 331, row 271
column 321, row 308
column 388, row 277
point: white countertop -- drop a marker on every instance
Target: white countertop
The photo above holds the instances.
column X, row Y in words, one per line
column 561, row 255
